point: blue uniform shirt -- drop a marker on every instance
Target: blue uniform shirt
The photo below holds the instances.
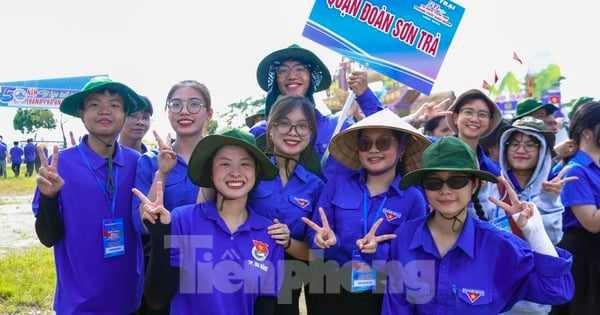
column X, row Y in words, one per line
column 485, row 163
column 29, row 152
column 485, row 272
column 3, row 150
column 88, row 283
column 16, row 155
column 222, row 272
column 583, row 191
column 178, row 190
column 288, row 204
column 342, row 201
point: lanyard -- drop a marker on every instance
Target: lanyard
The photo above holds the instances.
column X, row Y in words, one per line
column 102, row 186
column 365, row 211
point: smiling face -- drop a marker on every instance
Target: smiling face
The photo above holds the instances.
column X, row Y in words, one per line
column 521, row 153
column 449, row 201
column 290, row 134
column 233, row 172
column 294, row 80
column 184, row 123
column 471, row 120
column 377, row 160
column 103, row 114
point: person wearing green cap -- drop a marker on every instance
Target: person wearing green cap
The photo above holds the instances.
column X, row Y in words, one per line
column 534, row 108
column 257, row 118
column 525, row 161
column 220, row 257
column 83, row 206
column 581, row 220
column 449, row 262
column 298, row 71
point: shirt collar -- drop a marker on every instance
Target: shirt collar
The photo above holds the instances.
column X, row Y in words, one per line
column 465, row 241
column 97, row 161
column 254, row 222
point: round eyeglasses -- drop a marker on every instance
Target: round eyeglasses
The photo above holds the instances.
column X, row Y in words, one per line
column 528, row 146
column 193, row 106
column 285, row 127
column 299, row 69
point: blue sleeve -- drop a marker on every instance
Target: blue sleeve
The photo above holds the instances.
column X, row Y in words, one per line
column 369, row 103
column 144, row 175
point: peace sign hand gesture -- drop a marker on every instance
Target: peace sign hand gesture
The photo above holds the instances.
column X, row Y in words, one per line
column 555, row 185
column 325, row 237
column 368, row 244
column 48, row 180
column 167, row 158
column 154, row 210
column 430, row 110
column 521, row 211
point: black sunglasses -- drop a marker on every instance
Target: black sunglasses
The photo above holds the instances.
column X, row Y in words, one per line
column 382, row 144
column 454, row 182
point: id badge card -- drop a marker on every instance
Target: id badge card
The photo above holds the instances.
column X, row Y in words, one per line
column 364, row 276
column 113, row 237
column 502, row 223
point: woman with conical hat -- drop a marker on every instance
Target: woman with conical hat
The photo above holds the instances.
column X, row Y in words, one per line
column 298, row 71
column 382, row 148
column 449, row 262
column 220, row 258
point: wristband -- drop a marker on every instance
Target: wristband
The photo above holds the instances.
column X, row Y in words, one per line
column 288, row 244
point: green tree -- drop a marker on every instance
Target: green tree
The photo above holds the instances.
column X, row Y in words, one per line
column 211, row 127
column 241, row 109
column 31, row 120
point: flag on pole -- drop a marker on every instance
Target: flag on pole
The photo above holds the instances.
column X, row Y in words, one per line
column 495, row 77
column 486, row 85
column 516, row 57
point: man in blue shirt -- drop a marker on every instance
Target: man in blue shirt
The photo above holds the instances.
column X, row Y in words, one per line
column 3, row 153
column 29, row 151
column 16, row 157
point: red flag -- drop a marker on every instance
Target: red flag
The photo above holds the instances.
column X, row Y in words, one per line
column 495, row 77
column 486, row 85
column 515, row 57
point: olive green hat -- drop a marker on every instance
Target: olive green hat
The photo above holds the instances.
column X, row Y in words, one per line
column 73, row 103
column 531, row 124
column 206, row 148
column 529, row 105
column 576, row 103
column 447, row 154
column 250, row 119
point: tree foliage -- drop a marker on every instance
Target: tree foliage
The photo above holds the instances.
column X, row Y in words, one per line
column 31, row 120
column 237, row 112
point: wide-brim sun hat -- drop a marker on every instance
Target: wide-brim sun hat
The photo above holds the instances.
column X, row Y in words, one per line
column 344, row 146
column 448, row 154
column 205, row 149
column 293, row 52
column 529, row 105
column 74, row 102
column 532, row 124
column 469, row 96
column 250, row 119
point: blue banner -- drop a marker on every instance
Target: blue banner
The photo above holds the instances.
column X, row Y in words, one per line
column 47, row 93
column 406, row 40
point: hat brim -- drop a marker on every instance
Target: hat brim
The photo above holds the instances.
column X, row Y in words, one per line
column 549, row 108
column 204, row 150
column 497, row 117
column 344, row 146
column 416, row 177
column 296, row 53
column 72, row 104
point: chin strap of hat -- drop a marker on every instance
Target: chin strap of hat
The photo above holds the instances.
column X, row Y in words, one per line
column 454, row 219
column 110, row 184
column 288, row 172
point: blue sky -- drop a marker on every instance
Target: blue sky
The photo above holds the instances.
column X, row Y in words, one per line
column 151, row 45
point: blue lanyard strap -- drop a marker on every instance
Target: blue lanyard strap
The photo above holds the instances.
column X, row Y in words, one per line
column 102, row 186
column 366, row 211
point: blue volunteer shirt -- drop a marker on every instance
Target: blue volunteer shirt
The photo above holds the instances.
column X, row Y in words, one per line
column 222, row 272
column 290, row 203
column 178, row 189
column 485, row 272
column 342, row 201
column 88, row 283
column 583, row 191
column 16, row 155
column 29, row 152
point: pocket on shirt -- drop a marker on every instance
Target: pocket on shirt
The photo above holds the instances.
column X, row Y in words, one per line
column 479, row 299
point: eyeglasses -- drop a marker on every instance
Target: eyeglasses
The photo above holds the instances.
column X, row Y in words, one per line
column 134, row 118
column 299, row 69
column 193, row 106
column 528, row 146
column 382, row 144
column 454, row 182
column 285, row 127
column 481, row 115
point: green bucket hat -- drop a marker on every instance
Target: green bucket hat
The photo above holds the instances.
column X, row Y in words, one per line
column 294, row 52
column 447, row 154
column 576, row 103
column 73, row 103
column 206, row 148
column 250, row 119
column 533, row 124
column 529, row 105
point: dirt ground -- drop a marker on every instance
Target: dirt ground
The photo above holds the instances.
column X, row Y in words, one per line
column 16, row 223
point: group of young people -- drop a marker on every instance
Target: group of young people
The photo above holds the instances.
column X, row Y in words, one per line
column 376, row 219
